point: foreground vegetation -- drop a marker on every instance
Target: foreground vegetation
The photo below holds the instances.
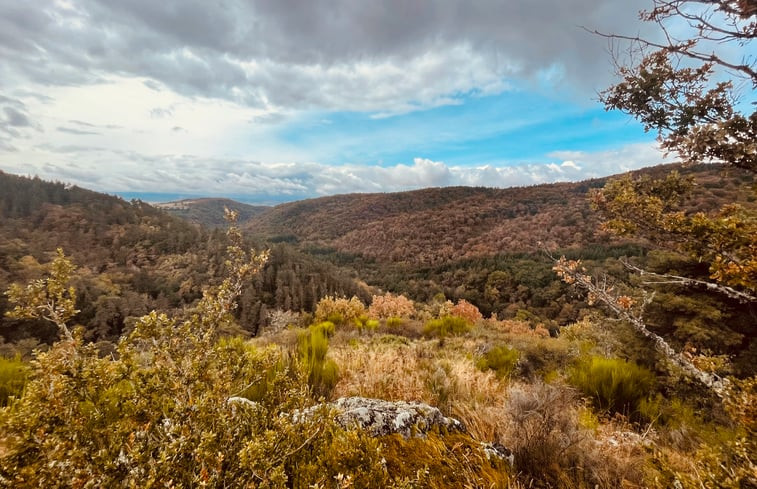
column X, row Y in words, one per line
column 655, row 388
column 179, row 405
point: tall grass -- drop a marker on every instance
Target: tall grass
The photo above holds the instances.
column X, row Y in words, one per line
column 614, row 385
column 313, row 344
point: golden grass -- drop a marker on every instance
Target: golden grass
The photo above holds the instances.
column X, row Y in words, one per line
column 391, row 372
column 556, row 438
column 420, row 371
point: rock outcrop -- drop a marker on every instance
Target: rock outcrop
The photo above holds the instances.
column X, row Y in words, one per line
column 381, row 418
column 409, row 419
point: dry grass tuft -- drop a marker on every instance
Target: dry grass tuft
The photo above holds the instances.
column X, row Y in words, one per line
column 553, row 449
column 420, row 371
column 392, row 372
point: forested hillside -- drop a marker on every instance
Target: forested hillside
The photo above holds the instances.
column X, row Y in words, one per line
column 499, row 341
column 439, row 225
column 209, row 212
column 133, row 258
column 489, row 247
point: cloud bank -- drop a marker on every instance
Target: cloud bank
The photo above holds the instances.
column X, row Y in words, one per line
column 209, row 97
column 260, row 182
column 388, row 56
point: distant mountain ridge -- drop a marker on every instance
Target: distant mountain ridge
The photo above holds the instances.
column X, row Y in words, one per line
column 210, row 211
column 437, row 225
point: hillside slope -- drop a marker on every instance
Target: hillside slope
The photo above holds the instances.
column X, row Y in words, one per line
column 209, row 212
column 133, row 258
column 437, row 225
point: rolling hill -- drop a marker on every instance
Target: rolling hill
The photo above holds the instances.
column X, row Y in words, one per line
column 132, row 258
column 438, row 225
column 209, row 212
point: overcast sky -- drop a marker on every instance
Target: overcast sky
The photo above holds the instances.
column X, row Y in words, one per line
column 275, row 100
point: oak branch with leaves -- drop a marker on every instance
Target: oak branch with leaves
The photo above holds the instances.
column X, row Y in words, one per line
column 50, row 298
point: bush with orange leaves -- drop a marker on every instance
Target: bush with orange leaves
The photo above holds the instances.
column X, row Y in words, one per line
column 389, row 305
column 513, row 326
column 466, row 310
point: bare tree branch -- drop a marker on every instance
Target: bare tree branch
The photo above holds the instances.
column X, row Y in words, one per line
column 684, row 49
column 661, row 279
column 624, row 307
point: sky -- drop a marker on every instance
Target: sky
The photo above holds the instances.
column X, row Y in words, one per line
column 269, row 101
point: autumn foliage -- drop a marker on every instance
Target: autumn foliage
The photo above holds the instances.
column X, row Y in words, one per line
column 390, row 305
column 339, row 309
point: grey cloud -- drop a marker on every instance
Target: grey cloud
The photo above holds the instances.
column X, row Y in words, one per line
column 94, row 126
column 161, row 113
column 6, row 146
column 81, row 123
column 77, row 132
column 384, row 56
column 14, row 122
column 269, row 118
column 73, row 173
column 15, row 118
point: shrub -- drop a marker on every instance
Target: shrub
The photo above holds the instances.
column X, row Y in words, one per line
column 279, row 319
column 441, row 385
column 543, row 432
column 312, row 346
column 720, row 457
column 339, row 310
column 441, row 461
column 540, row 357
column 614, row 385
column 467, row 311
column 501, row 359
column 327, row 327
column 388, row 305
column 365, row 323
column 552, row 446
column 13, row 373
column 393, row 323
column 741, row 402
column 446, row 325
column 172, row 394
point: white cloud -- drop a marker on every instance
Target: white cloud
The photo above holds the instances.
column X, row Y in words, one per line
column 570, row 164
column 265, row 181
column 187, row 97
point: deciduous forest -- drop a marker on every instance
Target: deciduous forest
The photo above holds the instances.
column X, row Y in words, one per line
column 597, row 334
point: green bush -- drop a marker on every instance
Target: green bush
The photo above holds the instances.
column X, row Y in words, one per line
column 312, row 346
column 393, row 323
column 445, row 326
column 335, row 318
column 366, row 323
column 13, row 373
column 327, row 327
column 614, row 385
column 501, row 359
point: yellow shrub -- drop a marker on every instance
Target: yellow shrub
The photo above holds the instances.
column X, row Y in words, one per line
column 339, row 311
column 614, row 385
column 13, row 374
